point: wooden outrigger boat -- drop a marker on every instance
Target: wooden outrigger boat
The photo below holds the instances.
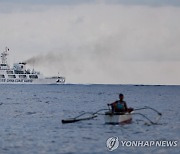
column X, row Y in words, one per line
column 113, row 117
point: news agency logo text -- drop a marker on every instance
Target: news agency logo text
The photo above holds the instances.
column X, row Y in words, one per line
column 156, row 143
column 113, row 143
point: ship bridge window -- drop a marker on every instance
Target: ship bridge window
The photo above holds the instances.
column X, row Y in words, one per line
column 2, row 76
column 12, row 76
column 18, row 72
column 22, row 76
column 33, row 76
column 9, row 72
column 3, row 65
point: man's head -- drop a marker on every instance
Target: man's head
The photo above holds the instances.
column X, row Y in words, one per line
column 121, row 96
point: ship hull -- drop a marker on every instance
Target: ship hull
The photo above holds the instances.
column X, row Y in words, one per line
column 30, row 81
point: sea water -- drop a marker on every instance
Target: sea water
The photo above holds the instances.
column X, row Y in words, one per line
column 30, row 119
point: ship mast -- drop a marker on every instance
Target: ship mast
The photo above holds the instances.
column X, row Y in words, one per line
column 4, row 56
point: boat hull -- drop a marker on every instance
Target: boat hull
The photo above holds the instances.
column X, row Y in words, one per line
column 117, row 118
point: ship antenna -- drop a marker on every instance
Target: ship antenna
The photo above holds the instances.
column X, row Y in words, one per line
column 33, row 67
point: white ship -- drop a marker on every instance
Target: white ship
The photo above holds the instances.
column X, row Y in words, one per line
column 20, row 75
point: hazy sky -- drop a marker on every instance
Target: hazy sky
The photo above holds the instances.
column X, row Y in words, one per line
column 95, row 41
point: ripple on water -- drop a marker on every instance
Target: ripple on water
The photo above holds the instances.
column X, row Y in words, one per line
column 30, row 113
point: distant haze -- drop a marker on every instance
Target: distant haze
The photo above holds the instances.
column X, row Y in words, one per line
column 118, row 42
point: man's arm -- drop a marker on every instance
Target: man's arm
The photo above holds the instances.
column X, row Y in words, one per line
column 112, row 104
column 125, row 106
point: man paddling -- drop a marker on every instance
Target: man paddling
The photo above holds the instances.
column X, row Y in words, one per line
column 120, row 105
